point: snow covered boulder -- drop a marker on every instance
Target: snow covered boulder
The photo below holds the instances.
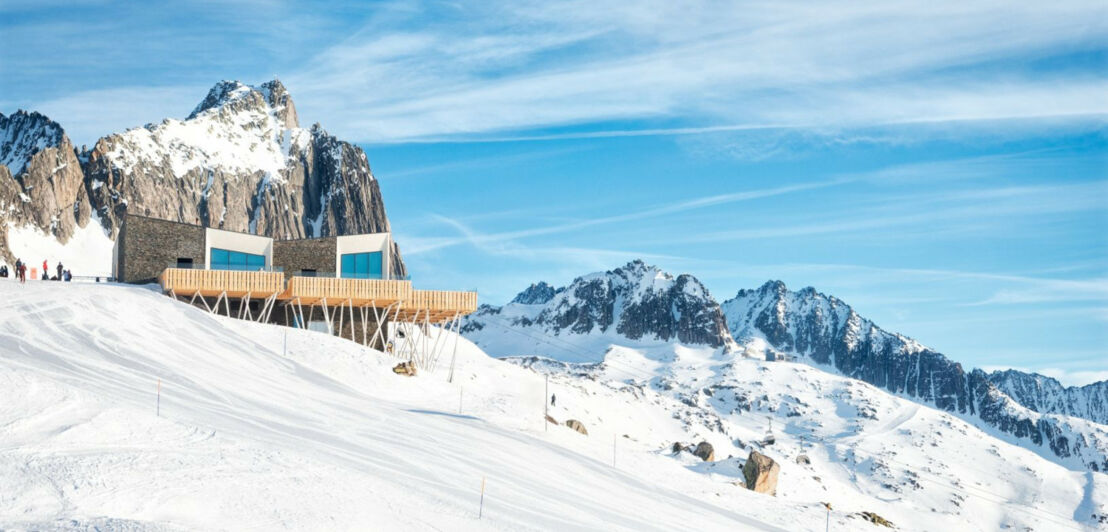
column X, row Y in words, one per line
column 577, row 425
column 705, row 451
column 760, row 472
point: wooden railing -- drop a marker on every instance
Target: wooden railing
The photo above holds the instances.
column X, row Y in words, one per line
column 183, row 281
column 441, row 300
column 343, row 289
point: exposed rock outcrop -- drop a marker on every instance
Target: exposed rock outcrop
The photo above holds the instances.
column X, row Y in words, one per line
column 577, row 425
column 876, row 519
column 760, row 473
column 41, row 182
column 705, row 451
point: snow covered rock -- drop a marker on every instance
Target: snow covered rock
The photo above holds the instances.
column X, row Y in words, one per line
column 760, row 473
column 822, row 329
column 635, row 302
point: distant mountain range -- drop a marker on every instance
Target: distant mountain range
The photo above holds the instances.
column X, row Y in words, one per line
column 239, row 161
column 640, row 305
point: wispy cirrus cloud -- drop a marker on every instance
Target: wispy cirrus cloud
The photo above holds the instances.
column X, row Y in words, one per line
column 496, row 71
column 471, row 237
column 713, row 67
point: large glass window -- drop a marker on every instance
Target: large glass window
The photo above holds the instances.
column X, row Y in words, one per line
column 223, row 259
column 362, row 265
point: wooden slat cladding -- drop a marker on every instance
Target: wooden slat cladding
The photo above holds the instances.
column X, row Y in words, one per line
column 215, row 282
column 361, row 291
column 437, row 305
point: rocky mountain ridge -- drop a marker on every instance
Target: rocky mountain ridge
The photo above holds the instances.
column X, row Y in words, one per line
column 1046, row 395
column 822, row 329
column 635, row 301
column 240, row 161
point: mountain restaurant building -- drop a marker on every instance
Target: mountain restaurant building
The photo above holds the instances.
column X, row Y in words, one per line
column 344, row 285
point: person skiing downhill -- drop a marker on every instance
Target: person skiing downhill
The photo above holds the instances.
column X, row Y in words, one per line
column 552, row 399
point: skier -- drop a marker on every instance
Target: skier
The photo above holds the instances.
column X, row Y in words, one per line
column 61, row 272
column 22, row 272
column 4, row 271
column 552, row 399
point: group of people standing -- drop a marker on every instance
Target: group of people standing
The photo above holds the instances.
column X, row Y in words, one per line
column 20, row 272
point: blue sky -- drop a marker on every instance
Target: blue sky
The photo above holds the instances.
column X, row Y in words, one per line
column 942, row 168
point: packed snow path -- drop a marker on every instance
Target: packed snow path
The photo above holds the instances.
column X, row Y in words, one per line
column 248, row 437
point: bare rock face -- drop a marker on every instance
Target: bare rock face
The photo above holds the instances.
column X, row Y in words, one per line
column 760, row 472
column 41, row 182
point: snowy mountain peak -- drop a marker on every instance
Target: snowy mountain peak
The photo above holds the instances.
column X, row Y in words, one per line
column 236, row 96
column 536, row 294
column 23, row 134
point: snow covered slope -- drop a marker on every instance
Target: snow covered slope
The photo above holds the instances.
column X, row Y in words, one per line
column 325, row 437
column 847, row 442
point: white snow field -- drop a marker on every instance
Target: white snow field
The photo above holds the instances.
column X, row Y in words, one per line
column 315, row 432
column 324, row 438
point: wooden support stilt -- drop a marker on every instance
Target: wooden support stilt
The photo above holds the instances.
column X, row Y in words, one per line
column 454, row 356
column 327, row 317
column 350, row 310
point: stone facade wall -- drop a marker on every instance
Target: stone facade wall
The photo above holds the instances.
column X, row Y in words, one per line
column 313, row 254
column 148, row 246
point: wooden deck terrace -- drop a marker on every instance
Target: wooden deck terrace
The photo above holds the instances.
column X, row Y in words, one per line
column 437, row 305
column 404, row 302
column 213, row 283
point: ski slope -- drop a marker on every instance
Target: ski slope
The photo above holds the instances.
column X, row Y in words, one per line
column 323, row 437
column 263, row 427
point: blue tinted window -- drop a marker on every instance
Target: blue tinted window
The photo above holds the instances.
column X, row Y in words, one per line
column 223, row 259
column 362, row 265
